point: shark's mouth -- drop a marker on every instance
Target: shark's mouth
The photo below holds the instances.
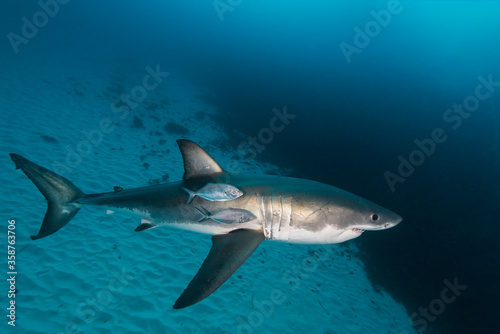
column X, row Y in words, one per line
column 357, row 230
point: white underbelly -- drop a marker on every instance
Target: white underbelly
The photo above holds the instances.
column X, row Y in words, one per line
column 216, row 228
column 327, row 235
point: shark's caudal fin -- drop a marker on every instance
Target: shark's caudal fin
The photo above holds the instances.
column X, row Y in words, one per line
column 228, row 253
column 58, row 192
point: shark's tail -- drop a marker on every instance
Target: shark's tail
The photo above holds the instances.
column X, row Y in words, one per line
column 59, row 193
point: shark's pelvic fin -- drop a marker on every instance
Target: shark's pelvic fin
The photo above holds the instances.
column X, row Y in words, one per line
column 228, row 253
column 145, row 225
column 197, row 162
column 59, row 193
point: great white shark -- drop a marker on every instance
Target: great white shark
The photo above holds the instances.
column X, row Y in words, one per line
column 274, row 207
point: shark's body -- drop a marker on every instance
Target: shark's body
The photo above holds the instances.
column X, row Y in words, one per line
column 286, row 209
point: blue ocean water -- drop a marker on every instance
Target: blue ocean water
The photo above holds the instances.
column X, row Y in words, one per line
column 394, row 101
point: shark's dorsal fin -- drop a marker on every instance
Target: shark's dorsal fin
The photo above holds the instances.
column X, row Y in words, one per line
column 197, row 162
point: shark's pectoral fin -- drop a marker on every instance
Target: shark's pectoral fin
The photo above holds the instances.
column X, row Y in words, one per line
column 228, row 253
column 145, row 225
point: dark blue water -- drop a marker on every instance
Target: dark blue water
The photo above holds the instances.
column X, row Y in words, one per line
column 365, row 92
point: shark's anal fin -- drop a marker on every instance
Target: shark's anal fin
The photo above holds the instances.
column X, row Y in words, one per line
column 197, row 162
column 145, row 225
column 228, row 253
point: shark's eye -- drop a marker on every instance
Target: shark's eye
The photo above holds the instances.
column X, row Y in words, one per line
column 374, row 217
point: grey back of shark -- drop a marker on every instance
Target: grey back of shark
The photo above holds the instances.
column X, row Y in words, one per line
column 277, row 208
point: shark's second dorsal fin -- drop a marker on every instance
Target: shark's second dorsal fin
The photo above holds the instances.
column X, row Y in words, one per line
column 197, row 162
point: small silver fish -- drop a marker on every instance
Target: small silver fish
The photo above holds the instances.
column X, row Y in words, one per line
column 215, row 192
column 228, row 216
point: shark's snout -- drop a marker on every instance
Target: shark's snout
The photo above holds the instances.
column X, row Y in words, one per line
column 392, row 220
